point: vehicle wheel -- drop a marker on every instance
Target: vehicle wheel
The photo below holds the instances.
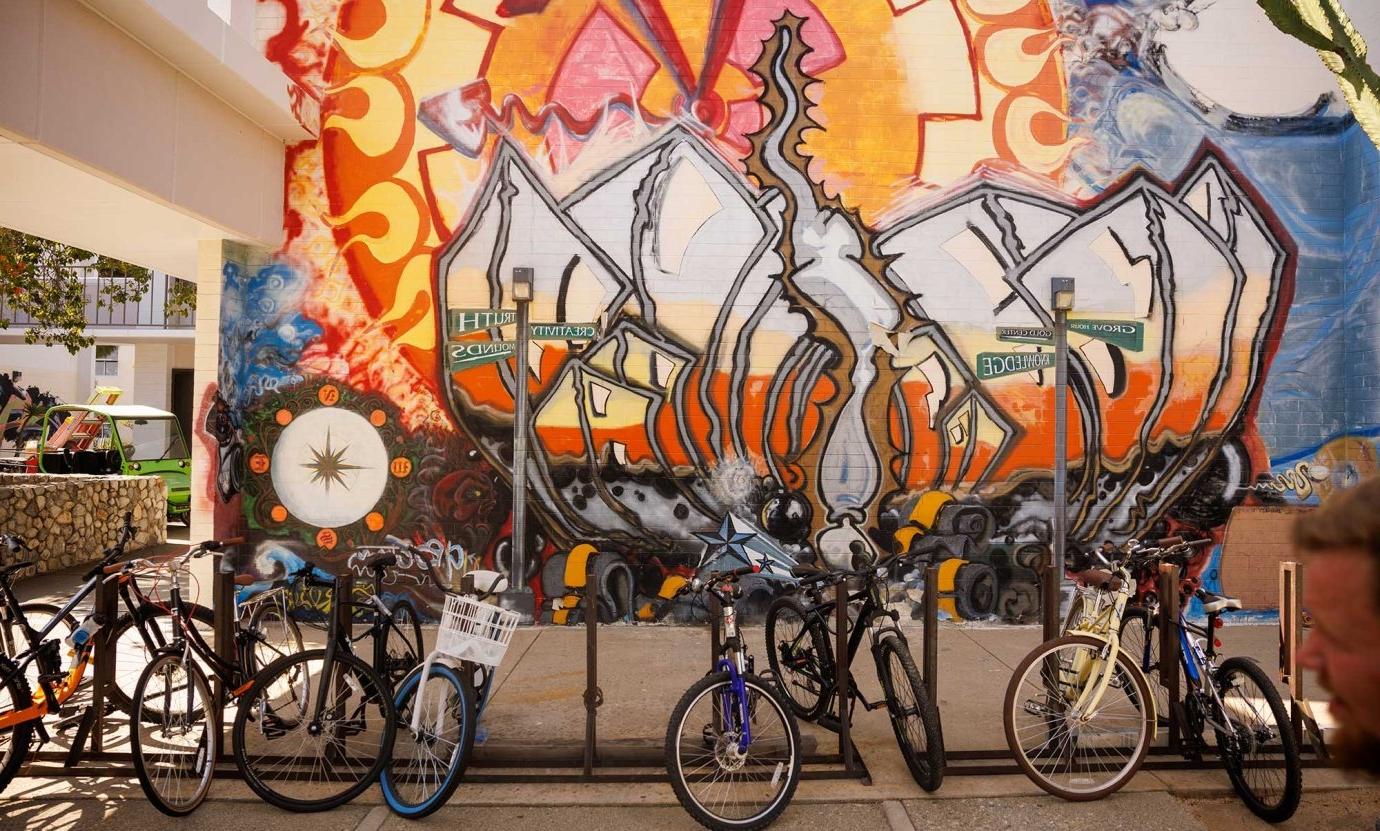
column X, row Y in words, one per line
column 296, row 762
column 276, row 635
column 1260, row 721
column 14, row 741
column 1140, row 639
column 975, row 591
column 1073, row 755
column 402, row 648
column 719, row 784
column 141, row 636
column 426, row 767
column 914, row 718
column 799, row 656
column 175, row 734
column 39, row 615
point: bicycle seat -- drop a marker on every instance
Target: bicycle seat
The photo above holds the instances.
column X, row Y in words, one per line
column 804, row 571
column 13, row 567
column 487, row 582
column 1215, row 603
column 1098, row 578
column 383, row 561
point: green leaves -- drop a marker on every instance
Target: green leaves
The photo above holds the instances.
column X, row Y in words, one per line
column 45, row 283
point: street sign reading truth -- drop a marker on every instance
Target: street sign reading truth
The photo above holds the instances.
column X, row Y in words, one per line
column 1128, row 334
column 461, row 356
column 996, row 364
column 464, row 321
column 1025, row 334
column 564, row 331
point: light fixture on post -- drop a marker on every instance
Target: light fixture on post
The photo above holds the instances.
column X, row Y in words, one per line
column 518, row 597
column 1061, row 302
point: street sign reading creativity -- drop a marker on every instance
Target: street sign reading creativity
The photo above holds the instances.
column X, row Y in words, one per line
column 1025, row 334
column 1128, row 334
column 464, row 321
column 563, row 331
column 996, row 364
column 460, row 356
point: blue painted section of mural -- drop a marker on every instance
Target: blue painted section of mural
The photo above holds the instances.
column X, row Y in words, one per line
column 263, row 331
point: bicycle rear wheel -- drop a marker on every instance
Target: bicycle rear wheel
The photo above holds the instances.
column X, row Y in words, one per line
column 39, row 616
column 720, row 783
column 276, row 635
column 139, row 637
column 799, row 656
column 1079, row 756
column 914, row 718
column 402, row 648
column 1140, row 639
column 14, row 741
column 174, row 734
column 1261, row 730
column 298, row 760
column 426, row 766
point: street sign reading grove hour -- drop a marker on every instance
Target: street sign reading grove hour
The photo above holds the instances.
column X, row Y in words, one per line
column 1025, row 334
column 996, row 364
column 1128, row 334
column 461, row 356
column 564, row 331
column 464, row 321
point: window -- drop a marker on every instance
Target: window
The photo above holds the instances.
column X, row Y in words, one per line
column 107, row 360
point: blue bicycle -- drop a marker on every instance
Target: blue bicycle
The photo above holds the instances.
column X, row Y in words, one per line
column 732, row 747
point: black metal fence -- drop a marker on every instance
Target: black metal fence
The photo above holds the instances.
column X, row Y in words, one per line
column 149, row 312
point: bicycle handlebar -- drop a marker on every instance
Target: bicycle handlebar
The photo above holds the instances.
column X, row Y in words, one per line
column 716, row 578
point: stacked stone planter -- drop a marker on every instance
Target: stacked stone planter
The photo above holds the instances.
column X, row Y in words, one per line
column 69, row 520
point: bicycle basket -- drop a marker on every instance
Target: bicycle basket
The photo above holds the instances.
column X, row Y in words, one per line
column 475, row 631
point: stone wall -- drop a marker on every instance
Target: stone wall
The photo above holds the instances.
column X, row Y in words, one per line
column 69, row 520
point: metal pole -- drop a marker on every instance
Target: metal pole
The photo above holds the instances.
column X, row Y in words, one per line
column 519, row 596
column 1169, row 648
column 841, row 671
column 592, row 695
column 931, row 633
column 1061, row 380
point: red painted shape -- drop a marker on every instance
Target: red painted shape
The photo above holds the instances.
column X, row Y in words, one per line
column 727, row 13
column 652, row 15
column 758, row 21
column 602, row 61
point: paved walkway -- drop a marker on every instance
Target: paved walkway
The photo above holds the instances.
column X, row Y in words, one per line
column 643, row 670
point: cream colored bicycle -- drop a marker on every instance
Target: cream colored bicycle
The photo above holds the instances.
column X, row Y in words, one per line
column 1079, row 713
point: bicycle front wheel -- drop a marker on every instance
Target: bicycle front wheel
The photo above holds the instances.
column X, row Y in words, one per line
column 311, row 737
column 914, row 718
column 729, row 772
column 174, row 734
column 427, row 764
column 1271, row 787
column 799, row 656
column 1077, row 750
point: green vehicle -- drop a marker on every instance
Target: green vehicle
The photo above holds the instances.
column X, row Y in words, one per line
column 126, row 439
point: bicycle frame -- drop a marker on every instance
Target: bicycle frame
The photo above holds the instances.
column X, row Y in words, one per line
column 1104, row 624
column 45, row 699
column 735, row 668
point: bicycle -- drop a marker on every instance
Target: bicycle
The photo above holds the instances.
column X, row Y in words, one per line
column 294, row 735
column 801, row 655
column 440, row 702
column 730, row 729
column 1237, row 699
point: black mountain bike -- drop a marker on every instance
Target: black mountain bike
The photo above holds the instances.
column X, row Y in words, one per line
column 312, row 730
column 800, row 652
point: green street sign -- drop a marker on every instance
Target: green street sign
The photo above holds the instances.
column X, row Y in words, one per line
column 464, row 321
column 996, row 364
column 1128, row 334
column 564, row 331
column 1025, row 334
column 461, row 356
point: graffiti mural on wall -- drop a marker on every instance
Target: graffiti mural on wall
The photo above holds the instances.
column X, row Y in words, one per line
column 797, row 223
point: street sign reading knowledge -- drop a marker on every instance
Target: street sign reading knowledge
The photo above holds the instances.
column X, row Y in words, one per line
column 996, row 364
column 462, row 356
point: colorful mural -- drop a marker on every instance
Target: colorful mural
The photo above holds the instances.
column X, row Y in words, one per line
column 796, row 225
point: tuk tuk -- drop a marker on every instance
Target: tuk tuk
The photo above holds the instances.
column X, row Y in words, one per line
column 124, row 439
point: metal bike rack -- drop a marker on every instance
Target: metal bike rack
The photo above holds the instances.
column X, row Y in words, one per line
column 1291, row 625
column 1169, row 651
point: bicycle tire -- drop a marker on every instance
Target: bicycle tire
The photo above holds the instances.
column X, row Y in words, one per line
column 926, row 761
column 676, row 741
column 402, row 645
column 1292, row 791
column 137, row 654
column 1138, row 628
column 372, row 693
column 405, row 765
column 268, row 617
column 16, row 750
column 12, row 640
column 1046, row 721
column 150, row 731
column 803, row 671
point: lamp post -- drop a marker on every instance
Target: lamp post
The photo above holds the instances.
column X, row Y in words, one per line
column 518, row 596
column 1061, row 302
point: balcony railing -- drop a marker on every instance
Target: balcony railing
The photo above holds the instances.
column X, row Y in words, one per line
column 149, row 312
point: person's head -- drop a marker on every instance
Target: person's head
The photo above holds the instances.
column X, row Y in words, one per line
column 1341, row 590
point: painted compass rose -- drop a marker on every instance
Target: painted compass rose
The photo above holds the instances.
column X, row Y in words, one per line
column 329, row 467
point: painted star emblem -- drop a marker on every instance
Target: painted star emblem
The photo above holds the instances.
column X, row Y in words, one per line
column 727, row 540
column 329, row 465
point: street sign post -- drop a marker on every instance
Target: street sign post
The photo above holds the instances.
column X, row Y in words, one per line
column 1127, row 334
column 996, row 364
column 564, row 331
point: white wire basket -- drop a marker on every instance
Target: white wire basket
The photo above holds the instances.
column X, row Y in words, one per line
column 475, row 631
